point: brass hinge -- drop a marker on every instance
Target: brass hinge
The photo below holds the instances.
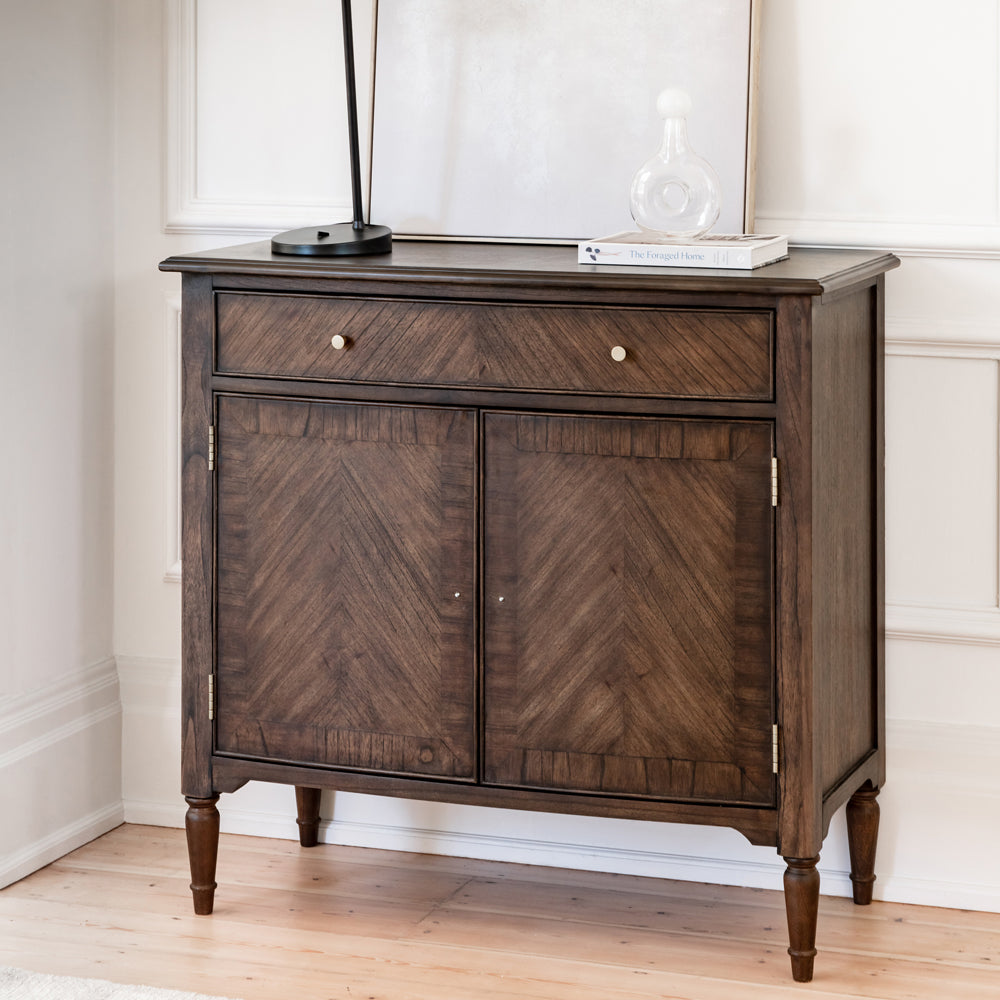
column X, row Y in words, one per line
column 211, row 697
column 774, row 482
column 211, row 449
column 774, row 748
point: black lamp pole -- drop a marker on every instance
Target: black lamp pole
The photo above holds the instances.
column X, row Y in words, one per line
column 341, row 238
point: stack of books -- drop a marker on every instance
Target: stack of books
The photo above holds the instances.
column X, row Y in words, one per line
column 739, row 251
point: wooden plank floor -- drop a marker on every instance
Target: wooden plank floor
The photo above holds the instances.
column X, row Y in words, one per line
column 354, row 924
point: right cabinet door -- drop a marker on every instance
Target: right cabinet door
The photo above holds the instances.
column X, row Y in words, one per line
column 628, row 622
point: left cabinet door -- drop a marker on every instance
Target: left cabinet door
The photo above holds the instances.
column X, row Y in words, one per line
column 345, row 585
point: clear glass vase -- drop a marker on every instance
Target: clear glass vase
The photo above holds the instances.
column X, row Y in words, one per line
column 675, row 195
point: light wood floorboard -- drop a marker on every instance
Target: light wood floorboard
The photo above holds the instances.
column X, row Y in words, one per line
column 353, row 924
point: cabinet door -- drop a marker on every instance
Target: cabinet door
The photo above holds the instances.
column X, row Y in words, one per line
column 628, row 606
column 345, row 585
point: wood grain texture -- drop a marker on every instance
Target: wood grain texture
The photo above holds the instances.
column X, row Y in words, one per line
column 346, row 923
column 197, row 536
column 307, row 805
column 714, row 354
column 844, row 549
column 757, row 823
column 346, row 585
column 801, row 884
column 862, row 837
column 628, row 606
column 801, row 814
column 877, row 302
column 527, row 272
column 201, row 823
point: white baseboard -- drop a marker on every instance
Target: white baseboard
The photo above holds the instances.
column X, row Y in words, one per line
column 60, row 745
column 21, row 863
column 950, row 895
column 170, row 814
column 558, row 854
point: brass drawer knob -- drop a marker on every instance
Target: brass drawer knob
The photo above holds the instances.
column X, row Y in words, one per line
column 618, row 353
column 338, row 342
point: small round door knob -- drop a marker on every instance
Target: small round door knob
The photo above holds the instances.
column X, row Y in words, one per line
column 338, row 342
column 618, row 353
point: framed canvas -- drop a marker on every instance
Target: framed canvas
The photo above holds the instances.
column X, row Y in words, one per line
column 526, row 119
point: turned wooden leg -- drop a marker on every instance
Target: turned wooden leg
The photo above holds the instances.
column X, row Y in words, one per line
column 307, row 805
column 862, row 836
column 802, row 908
column 202, row 825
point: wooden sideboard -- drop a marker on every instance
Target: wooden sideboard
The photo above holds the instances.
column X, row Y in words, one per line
column 475, row 523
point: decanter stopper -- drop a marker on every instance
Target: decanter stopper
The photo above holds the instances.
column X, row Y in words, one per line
column 676, row 193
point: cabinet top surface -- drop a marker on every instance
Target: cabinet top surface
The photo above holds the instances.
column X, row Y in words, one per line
column 803, row 272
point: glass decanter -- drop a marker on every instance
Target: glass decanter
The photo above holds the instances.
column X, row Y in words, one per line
column 676, row 193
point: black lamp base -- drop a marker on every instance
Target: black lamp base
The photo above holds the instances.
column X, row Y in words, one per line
column 340, row 239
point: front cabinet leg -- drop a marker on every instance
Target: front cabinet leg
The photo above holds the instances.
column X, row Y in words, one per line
column 202, row 825
column 307, row 806
column 802, row 909
column 862, row 836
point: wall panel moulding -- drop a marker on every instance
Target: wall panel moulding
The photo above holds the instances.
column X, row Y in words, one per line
column 200, row 193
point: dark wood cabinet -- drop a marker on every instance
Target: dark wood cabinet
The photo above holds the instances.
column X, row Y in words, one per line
column 477, row 524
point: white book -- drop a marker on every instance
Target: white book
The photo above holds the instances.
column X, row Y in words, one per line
column 723, row 251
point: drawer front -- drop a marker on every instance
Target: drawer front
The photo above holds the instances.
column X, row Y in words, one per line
column 713, row 354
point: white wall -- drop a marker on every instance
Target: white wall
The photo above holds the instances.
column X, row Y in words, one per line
column 60, row 774
column 851, row 123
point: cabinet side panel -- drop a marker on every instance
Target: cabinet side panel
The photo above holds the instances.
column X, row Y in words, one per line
column 844, row 529
column 197, row 504
column 800, row 798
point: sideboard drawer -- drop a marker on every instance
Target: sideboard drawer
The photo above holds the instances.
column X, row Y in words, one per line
column 710, row 354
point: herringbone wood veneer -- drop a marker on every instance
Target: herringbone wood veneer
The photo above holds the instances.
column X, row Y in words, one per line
column 628, row 606
column 346, row 585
